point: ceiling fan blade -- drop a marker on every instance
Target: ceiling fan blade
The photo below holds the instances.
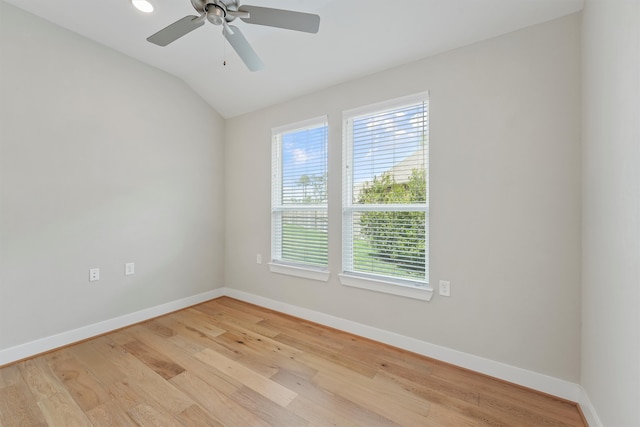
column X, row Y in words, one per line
column 242, row 48
column 176, row 30
column 238, row 13
column 280, row 18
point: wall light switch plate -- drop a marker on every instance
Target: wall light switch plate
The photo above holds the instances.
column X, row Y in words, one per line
column 94, row 274
column 129, row 268
column 445, row 288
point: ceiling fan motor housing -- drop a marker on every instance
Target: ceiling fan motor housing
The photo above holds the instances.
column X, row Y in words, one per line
column 216, row 14
column 216, row 10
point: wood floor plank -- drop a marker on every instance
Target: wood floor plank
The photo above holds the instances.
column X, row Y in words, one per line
column 85, row 389
column 125, row 395
column 266, row 409
column 110, row 414
column 99, row 366
column 245, row 355
column 384, row 357
column 143, row 380
column 265, row 386
column 215, row 315
column 307, row 333
column 120, row 337
column 392, row 403
column 322, row 406
column 18, row 407
column 10, row 375
column 261, row 354
column 252, row 326
column 192, row 339
column 320, row 415
column 226, row 314
column 148, row 415
column 517, row 414
column 40, row 378
column 257, row 343
column 195, row 416
column 437, row 386
column 163, row 366
column 61, row 410
column 192, row 321
column 212, row 376
column 228, row 363
column 496, row 392
column 123, row 360
column 216, row 403
column 458, row 410
column 157, row 392
column 188, row 345
column 327, row 354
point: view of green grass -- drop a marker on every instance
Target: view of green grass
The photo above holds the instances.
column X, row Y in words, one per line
column 306, row 245
column 364, row 260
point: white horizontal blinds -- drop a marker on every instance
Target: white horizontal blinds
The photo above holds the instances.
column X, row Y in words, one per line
column 299, row 192
column 388, row 147
column 390, row 243
column 386, row 216
column 304, row 237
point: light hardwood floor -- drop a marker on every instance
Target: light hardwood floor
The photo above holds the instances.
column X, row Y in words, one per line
column 228, row 363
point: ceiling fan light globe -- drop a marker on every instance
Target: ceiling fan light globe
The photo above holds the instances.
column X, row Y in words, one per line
column 143, row 5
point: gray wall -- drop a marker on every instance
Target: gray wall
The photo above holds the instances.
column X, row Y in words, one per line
column 611, row 210
column 103, row 160
column 505, row 200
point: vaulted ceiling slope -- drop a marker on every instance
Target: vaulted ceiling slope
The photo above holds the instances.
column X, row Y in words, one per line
column 356, row 38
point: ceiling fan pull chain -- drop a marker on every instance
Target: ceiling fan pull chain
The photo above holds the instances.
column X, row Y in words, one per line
column 224, row 52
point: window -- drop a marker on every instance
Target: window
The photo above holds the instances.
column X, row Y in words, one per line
column 385, row 195
column 299, row 224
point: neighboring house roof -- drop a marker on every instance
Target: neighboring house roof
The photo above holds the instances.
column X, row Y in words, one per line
column 401, row 171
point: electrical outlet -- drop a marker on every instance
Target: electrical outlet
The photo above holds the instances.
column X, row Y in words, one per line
column 129, row 269
column 94, row 274
column 445, row 288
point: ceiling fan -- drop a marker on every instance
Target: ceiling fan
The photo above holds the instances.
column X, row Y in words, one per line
column 222, row 12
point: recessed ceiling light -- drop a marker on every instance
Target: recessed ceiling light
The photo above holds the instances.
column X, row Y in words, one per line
column 143, row 5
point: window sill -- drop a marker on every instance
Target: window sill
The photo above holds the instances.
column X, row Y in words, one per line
column 422, row 293
column 305, row 272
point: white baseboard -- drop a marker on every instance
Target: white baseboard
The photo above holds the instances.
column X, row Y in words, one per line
column 588, row 410
column 42, row 345
column 544, row 383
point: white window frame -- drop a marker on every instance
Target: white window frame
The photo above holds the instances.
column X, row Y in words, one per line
column 416, row 289
column 277, row 265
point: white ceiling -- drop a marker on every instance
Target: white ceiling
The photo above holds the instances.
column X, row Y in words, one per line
column 356, row 38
